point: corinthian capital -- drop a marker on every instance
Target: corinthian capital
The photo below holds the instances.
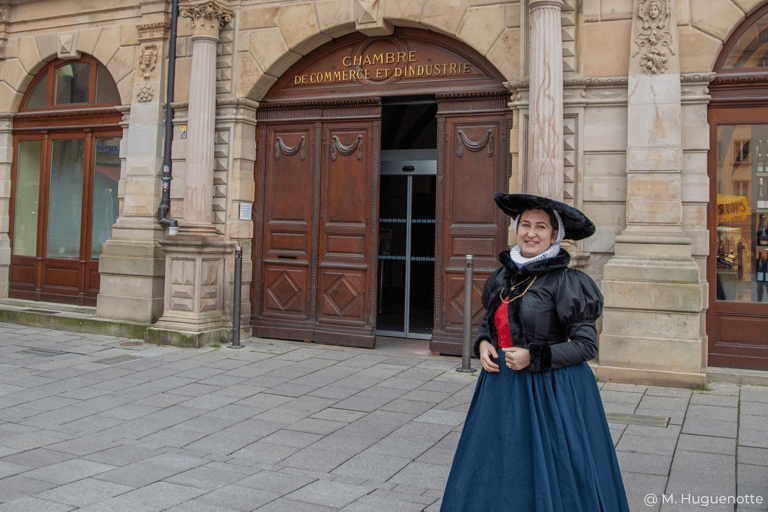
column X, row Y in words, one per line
column 207, row 17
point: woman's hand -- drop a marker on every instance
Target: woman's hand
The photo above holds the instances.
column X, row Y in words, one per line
column 487, row 355
column 517, row 358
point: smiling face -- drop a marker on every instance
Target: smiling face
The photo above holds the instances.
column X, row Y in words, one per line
column 535, row 233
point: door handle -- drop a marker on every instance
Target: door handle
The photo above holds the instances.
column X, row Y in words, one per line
column 408, row 168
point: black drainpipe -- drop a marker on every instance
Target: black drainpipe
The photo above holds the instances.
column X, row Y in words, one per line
column 165, row 201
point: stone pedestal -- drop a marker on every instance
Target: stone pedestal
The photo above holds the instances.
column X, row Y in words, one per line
column 193, row 313
column 654, row 296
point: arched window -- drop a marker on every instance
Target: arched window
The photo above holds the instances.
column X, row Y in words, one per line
column 65, row 175
column 737, row 322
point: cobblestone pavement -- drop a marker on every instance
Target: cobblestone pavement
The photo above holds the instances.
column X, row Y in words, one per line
column 95, row 423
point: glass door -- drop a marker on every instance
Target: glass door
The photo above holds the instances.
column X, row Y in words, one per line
column 406, row 281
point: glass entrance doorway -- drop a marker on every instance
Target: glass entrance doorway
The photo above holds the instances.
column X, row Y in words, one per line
column 406, row 283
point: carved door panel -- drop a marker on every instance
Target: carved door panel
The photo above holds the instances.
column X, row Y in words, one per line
column 346, row 270
column 475, row 168
column 287, row 181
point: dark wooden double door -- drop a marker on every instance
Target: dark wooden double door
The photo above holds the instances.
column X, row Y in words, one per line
column 316, row 240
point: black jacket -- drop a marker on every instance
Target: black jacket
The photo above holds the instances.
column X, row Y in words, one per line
column 554, row 319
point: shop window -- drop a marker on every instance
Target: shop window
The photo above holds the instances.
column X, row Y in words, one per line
column 742, row 211
column 65, row 176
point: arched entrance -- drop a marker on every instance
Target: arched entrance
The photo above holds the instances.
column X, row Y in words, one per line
column 378, row 160
column 737, row 323
column 66, row 167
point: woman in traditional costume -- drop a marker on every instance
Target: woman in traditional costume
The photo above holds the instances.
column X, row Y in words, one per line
column 536, row 438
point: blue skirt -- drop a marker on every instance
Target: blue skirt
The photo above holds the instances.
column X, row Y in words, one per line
column 535, row 442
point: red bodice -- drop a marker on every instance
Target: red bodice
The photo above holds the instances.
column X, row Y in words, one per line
column 502, row 325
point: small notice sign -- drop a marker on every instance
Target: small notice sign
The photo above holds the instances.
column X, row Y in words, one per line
column 245, row 211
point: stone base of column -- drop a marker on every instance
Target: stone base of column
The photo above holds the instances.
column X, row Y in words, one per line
column 652, row 315
column 131, row 271
column 194, row 293
column 199, row 230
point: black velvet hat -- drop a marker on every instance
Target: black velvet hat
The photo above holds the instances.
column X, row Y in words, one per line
column 577, row 226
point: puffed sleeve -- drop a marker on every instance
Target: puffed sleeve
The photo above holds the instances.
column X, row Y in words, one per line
column 489, row 291
column 579, row 304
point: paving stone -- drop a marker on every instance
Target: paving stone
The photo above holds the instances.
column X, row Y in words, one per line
column 378, row 504
column 707, row 444
column 639, row 485
column 340, row 415
column 707, row 427
column 206, row 478
column 137, row 475
column 317, row 458
column 650, row 464
column 718, row 400
column 754, row 437
column 328, row 494
column 429, row 476
column 372, row 466
column 754, row 409
column 68, row 471
column 712, row 412
column 33, row 504
column 645, row 444
column 750, row 455
column 608, row 395
column 438, row 417
column 281, row 483
column 284, row 505
column 157, row 496
column 265, row 453
column 222, row 443
column 754, row 394
column 83, row 492
column 37, row 458
column 702, row 473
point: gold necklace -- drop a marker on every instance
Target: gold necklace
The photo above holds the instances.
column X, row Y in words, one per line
column 508, row 300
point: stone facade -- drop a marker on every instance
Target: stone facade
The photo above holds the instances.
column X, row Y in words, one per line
column 259, row 42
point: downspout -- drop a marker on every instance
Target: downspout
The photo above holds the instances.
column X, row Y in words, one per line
column 165, row 201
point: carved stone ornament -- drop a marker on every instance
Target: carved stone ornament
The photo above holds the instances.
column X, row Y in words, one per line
column 148, row 61
column 145, row 93
column 654, row 35
column 5, row 13
column 207, row 17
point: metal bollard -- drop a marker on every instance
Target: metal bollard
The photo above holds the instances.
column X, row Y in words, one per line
column 466, row 365
column 236, row 299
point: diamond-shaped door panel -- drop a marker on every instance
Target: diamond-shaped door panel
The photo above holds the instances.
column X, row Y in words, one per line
column 343, row 296
column 283, row 290
column 456, row 312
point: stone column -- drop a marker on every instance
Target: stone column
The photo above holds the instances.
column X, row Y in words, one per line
column 654, row 297
column 207, row 19
column 195, row 259
column 545, row 131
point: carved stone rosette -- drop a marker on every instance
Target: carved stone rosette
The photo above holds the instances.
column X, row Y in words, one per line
column 207, row 17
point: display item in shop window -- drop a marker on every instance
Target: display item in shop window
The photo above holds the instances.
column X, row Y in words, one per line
column 761, row 203
column 760, row 162
column 762, row 232
column 760, row 269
